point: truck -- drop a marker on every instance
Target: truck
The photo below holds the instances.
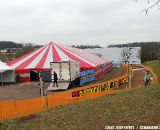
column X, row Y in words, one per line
column 68, row 73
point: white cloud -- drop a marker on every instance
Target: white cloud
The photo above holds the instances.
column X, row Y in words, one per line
column 77, row 21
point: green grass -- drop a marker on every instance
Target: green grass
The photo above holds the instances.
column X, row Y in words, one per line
column 136, row 107
column 155, row 66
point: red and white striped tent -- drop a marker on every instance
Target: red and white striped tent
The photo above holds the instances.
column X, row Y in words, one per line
column 40, row 59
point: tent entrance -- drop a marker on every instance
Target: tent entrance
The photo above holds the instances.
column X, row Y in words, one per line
column 33, row 75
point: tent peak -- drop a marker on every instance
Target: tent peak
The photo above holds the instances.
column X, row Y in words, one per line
column 52, row 43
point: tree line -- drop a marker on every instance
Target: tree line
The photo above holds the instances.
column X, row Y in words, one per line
column 20, row 48
column 149, row 50
column 86, row 46
column 9, row 44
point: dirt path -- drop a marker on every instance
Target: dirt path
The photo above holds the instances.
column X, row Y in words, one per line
column 29, row 90
column 20, row 91
column 138, row 78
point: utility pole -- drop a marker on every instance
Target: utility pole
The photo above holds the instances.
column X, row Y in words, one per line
column 2, row 78
column 126, row 57
column 130, row 76
column 42, row 91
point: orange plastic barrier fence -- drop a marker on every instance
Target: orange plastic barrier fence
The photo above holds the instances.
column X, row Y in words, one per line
column 152, row 72
column 19, row 108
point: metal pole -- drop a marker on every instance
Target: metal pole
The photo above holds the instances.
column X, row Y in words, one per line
column 46, row 94
column 41, row 86
column 129, row 76
column 2, row 78
column 127, row 86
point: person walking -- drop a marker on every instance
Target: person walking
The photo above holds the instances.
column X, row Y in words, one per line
column 55, row 78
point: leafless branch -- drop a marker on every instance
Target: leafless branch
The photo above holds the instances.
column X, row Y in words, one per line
column 150, row 7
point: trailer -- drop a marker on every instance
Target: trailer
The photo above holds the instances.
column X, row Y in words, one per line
column 68, row 73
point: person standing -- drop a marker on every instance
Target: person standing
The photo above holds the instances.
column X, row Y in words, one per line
column 55, row 78
column 17, row 78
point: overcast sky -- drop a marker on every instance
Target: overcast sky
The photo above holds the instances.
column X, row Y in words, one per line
column 78, row 21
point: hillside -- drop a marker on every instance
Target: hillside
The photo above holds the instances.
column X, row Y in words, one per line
column 134, row 107
column 134, row 44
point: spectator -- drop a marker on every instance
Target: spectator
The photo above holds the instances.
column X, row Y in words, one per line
column 55, row 78
column 17, row 78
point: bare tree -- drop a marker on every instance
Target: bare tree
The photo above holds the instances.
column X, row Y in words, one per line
column 139, row 54
column 126, row 55
column 151, row 5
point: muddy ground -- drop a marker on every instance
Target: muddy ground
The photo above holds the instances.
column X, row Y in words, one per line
column 31, row 90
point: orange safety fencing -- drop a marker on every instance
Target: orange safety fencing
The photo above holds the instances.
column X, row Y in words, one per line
column 152, row 72
column 19, row 108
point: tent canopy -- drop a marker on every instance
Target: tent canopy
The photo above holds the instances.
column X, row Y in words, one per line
column 41, row 58
column 4, row 67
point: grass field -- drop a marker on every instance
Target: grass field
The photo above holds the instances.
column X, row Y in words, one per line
column 139, row 106
column 133, row 107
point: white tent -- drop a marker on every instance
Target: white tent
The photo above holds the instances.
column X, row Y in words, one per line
column 6, row 73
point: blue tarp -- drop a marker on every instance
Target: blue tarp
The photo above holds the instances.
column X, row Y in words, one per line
column 116, row 63
column 86, row 76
